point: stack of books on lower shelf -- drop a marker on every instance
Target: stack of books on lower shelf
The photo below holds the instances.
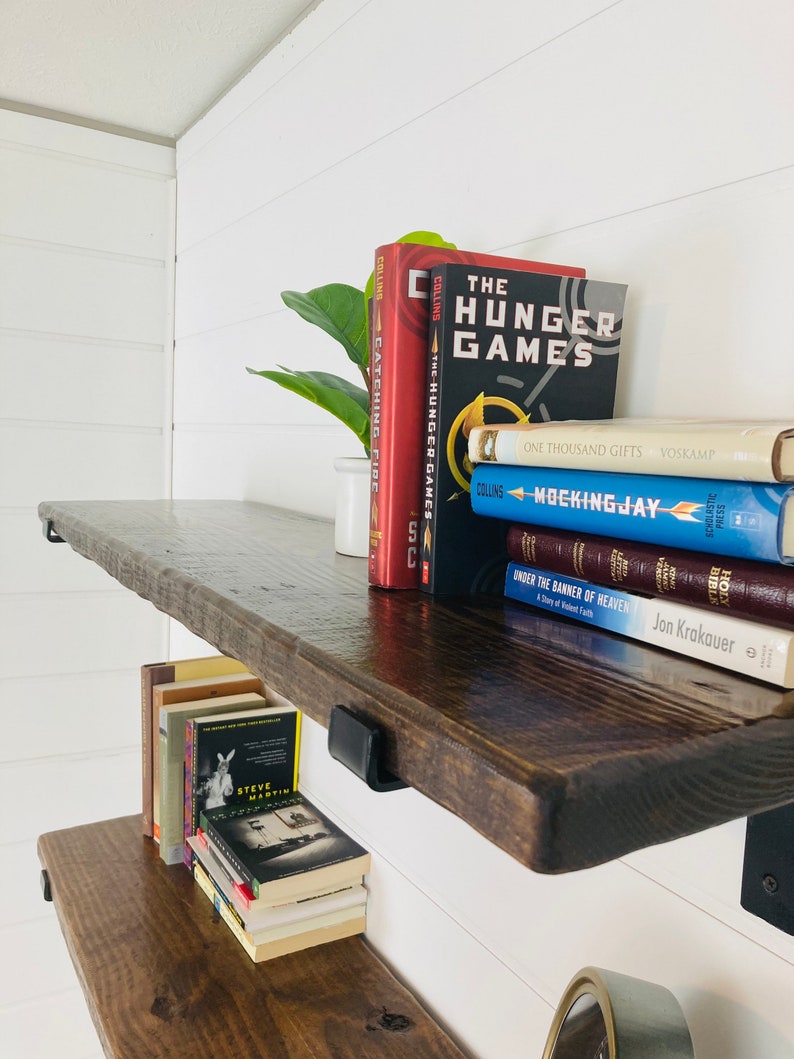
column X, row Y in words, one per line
column 678, row 533
column 281, row 875
column 221, row 759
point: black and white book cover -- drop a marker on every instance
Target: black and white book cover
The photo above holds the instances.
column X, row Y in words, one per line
column 240, row 759
column 280, row 839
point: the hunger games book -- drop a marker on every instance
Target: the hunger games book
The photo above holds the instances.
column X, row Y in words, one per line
column 504, row 346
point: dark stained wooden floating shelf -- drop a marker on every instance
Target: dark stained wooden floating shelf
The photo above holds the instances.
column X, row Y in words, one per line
column 564, row 746
column 164, row 977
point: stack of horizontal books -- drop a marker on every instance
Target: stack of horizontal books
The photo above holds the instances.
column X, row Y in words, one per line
column 677, row 532
column 281, row 875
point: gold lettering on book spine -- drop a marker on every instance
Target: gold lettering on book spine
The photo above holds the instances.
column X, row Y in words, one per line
column 719, row 587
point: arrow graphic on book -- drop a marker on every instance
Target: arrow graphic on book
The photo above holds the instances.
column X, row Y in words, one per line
column 683, row 511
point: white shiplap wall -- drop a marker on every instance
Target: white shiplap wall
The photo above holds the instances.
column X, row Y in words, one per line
column 86, row 310
column 651, row 142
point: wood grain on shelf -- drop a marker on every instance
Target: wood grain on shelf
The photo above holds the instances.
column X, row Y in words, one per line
column 563, row 745
column 163, row 975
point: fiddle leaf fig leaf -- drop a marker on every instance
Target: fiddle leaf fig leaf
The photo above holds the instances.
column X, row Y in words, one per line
column 340, row 311
column 343, row 399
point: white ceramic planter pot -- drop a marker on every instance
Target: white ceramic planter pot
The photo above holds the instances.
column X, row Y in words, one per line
column 351, row 529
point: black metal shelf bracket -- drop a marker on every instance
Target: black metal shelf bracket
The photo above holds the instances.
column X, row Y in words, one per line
column 357, row 745
column 768, row 874
column 50, row 534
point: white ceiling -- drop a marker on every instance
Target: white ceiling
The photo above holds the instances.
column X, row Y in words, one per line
column 150, row 66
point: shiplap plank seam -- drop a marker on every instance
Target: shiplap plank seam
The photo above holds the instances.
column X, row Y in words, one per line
column 87, row 162
column 88, row 340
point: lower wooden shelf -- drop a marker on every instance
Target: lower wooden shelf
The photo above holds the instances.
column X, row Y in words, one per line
column 163, row 976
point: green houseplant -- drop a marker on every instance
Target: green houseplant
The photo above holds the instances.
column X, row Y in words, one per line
column 341, row 311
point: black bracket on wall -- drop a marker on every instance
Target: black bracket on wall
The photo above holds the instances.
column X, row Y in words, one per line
column 357, row 745
column 768, row 876
column 50, row 534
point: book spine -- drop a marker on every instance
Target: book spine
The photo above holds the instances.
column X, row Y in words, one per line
column 749, row 648
column 206, row 885
column 146, row 753
column 399, row 371
column 156, row 765
column 432, row 439
column 243, row 892
column 151, row 674
column 742, row 519
column 172, row 786
column 738, row 451
column 226, row 851
column 740, row 587
column 189, row 817
column 220, row 892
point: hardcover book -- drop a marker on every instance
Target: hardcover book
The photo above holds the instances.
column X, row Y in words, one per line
column 153, row 673
column 398, row 365
column 742, row 450
column 284, row 848
column 750, row 648
column 503, row 346
column 749, row 520
column 741, row 587
column 242, row 757
column 171, row 731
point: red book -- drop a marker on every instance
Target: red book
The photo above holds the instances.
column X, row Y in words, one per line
column 398, row 368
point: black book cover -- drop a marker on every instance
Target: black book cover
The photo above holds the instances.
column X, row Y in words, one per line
column 279, row 839
column 505, row 346
column 239, row 758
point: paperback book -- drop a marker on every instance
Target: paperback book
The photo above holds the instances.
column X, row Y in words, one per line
column 253, row 917
column 300, row 888
column 279, row 941
column 741, row 587
column 535, row 630
column 284, row 848
column 741, row 450
column 398, row 363
column 751, row 648
column 243, row 757
column 153, row 673
column 171, row 732
column 503, row 346
column 749, row 520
